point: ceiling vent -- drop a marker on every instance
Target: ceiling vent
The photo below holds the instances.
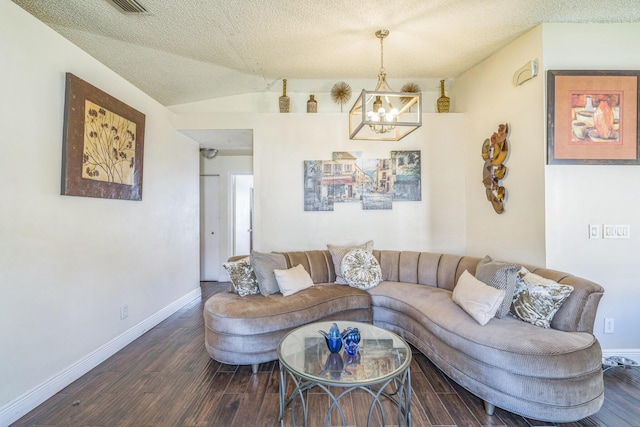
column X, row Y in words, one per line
column 129, row 6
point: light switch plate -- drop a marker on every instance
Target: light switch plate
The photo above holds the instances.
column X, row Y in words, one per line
column 615, row 231
column 595, row 231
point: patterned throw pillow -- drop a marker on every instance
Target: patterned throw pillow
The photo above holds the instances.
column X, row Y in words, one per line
column 263, row 265
column 537, row 299
column 361, row 269
column 338, row 253
column 242, row 277
column 500, row 275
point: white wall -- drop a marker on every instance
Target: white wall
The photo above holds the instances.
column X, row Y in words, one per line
column 282, row 142
column 297, row 91
column 580, row 195
column 487, row 97
column 549, row 208
column 67, row 264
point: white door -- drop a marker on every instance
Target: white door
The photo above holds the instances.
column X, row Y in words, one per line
column 209, row 228
column 243, row 215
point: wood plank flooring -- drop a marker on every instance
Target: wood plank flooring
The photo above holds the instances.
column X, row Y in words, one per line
column 166, row 378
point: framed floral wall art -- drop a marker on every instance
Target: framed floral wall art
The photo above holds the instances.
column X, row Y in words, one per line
column 103, row 144
column 592, row 117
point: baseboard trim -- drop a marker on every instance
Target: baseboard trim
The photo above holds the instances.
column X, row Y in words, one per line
column 20, row 406
column 629, row 353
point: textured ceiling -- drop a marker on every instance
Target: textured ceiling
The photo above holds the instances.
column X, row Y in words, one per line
column 189, row 50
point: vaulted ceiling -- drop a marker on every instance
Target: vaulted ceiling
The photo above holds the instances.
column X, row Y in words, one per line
column 182, row 51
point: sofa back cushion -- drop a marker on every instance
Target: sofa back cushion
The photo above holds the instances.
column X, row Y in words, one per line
column 318, row 264
column 443, row 271
column 425, row 268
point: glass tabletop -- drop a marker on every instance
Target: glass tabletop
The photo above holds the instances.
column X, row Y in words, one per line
column 382, row 355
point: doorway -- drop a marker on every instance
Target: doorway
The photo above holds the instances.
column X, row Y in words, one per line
column 242, row 218
column 209, row 227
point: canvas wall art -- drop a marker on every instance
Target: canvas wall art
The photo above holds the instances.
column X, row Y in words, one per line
column 103, row 144
column 350, row 178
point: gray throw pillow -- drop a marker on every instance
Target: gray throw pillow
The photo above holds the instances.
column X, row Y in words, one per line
column 537, row 299
column 263, row 265
column 338, row 252
column 500, row 275
column 242, row 277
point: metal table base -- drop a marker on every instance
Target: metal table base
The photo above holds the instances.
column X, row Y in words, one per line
column 401, row 396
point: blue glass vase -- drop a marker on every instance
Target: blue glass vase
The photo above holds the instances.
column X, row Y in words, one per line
column 334, row 344
column 333, row 338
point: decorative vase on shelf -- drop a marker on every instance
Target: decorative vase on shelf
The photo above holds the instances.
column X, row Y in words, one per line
column 312, row 104
column 443, row 102
column 284, row 99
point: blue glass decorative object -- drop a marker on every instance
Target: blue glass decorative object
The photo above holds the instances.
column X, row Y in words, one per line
column 351, row 335
column 333, row 338
column 351, row 348
column 334, row 366
column 351, row 339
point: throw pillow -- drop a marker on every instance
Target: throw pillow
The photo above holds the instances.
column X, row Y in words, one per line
column 338, row 252
column 500, row 275
column 293, row 280
column 537, row 299
column 361, row 269
column 263, row 265
column 478, row 299
column 242, row 277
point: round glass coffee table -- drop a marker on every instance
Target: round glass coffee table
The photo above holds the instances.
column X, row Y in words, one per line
column 380, row 368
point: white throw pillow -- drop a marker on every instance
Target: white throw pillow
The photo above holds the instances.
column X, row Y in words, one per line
column 293, row 280
column 361, row 269
column 478, row 299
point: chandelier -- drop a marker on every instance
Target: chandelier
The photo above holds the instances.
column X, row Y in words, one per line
column 375, row 114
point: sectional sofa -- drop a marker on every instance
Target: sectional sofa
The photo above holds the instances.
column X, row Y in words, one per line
column 551, row 374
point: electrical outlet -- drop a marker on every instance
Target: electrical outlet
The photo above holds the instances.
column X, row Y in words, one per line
column 124, row 312
column 608, row 325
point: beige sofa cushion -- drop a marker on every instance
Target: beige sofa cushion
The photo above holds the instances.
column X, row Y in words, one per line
column 481, row 301
column 293, row 280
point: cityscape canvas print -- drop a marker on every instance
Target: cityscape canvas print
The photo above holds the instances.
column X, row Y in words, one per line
column 350, row 178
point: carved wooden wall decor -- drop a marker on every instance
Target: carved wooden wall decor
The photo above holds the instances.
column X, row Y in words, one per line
column 494, row 152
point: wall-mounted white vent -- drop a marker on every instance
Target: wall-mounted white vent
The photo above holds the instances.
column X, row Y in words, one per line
column 129, row 6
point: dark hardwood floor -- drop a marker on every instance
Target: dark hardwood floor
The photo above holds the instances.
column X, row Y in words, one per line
column 166, row 378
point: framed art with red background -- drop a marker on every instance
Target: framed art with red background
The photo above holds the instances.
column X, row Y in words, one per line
column 592, row 117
